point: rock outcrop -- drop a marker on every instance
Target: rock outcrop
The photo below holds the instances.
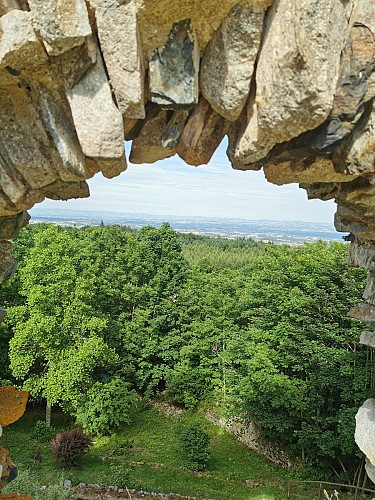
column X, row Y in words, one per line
column 290, row 82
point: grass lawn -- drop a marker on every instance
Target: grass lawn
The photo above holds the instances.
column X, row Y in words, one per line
column 145, row 455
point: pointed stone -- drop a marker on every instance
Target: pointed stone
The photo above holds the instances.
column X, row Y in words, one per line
column 174, row 129
column 173, row 70
column 296, row 79
column 202, row 134
column 62, row 24
column 97, row 120
column 228, row 62
column 19, row 45
column 60, row 126
column 122, row 52
column 147, row 147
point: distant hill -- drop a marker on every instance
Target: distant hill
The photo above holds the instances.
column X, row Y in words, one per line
column 292, row 232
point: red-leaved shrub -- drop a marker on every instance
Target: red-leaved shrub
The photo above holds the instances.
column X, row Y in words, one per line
column 68, row 447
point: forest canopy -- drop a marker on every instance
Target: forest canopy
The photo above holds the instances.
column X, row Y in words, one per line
column 99, row 316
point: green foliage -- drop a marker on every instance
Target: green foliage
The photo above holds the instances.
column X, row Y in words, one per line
column 194, row 443
column 69, row 446
column 42, row 433
column 29, row 481
column 106, row 406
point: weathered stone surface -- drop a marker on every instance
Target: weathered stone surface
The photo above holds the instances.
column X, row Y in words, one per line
column 11, row 226
column 369, row 293
column 174, row 129
column 228, row 62
column 305, row 170
column 67, row 190
column 147, row 147
column 97, row 120
column 60, row 126
column 62, row 24
column 320, row 190
column 202, row 135
column 365, row 429
column 19, row 45
column 367, row 339
column 370, row 470
column 173, row 70
column 8, row 5
column 296, row 79
column 120, row 44
column 157, row 16
column 357, row 152
column 362, row 254
column 363, row 312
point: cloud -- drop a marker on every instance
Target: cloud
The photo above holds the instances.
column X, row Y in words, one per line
column 170, row 187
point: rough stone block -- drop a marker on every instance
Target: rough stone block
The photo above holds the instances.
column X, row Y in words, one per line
column 122, row 52
column 19, row 45
column 60, row 126
column 11, row 226
column 369, row 293
column 174, row 129
column 296, row 79
column 147, row 147
column 60, row 190
column 62, row 24
column 228, row 62
column 202, row 135
column 368, row 339
column 304, row 171
column 362, row 254
column 363, row 312
column 173, row 70
column 97, row 120
column 365, row 429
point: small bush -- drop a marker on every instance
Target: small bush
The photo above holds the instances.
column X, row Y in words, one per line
column 69, row 446
column 194, row 443
column 29, row 482
column 106, row 406
column 42, row 433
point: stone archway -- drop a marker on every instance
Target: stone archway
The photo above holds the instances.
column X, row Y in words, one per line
column 290, row 82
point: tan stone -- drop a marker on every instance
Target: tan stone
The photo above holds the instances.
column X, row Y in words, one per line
column 297, row 73
column 66, row 190
column 19, row 45
column 8, row 5
column 11, row 226
column 305, row 170
column 97, row 120
column 121, row 48
column 228, row 62
column 202, row 134
column 147, row 147
column 62, row 24
column 156, row 18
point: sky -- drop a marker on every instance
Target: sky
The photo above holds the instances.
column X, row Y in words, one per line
column 170, row 187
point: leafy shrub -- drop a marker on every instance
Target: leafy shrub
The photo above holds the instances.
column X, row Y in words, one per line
column 29, row 482
column 106, row 406
column 69, row 446
column 42, row 433
column 194, row 443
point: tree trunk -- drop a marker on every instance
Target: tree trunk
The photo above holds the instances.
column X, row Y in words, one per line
column 48, row 414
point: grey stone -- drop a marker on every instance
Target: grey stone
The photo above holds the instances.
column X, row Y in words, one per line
column 363, row 312
column 19, row 45
column 228, row 62
column 369, row 293
column 8, row 267
column 61, row 128
column 365, row 429
column 62, row 24
column 370, row 470
column 11, row 226
column 362, row 254
column 173, row 70
column 68, row 483
column 174, row 129
column 296, row 79
column 121, row 48
column 368, row 339
column 97, row 120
